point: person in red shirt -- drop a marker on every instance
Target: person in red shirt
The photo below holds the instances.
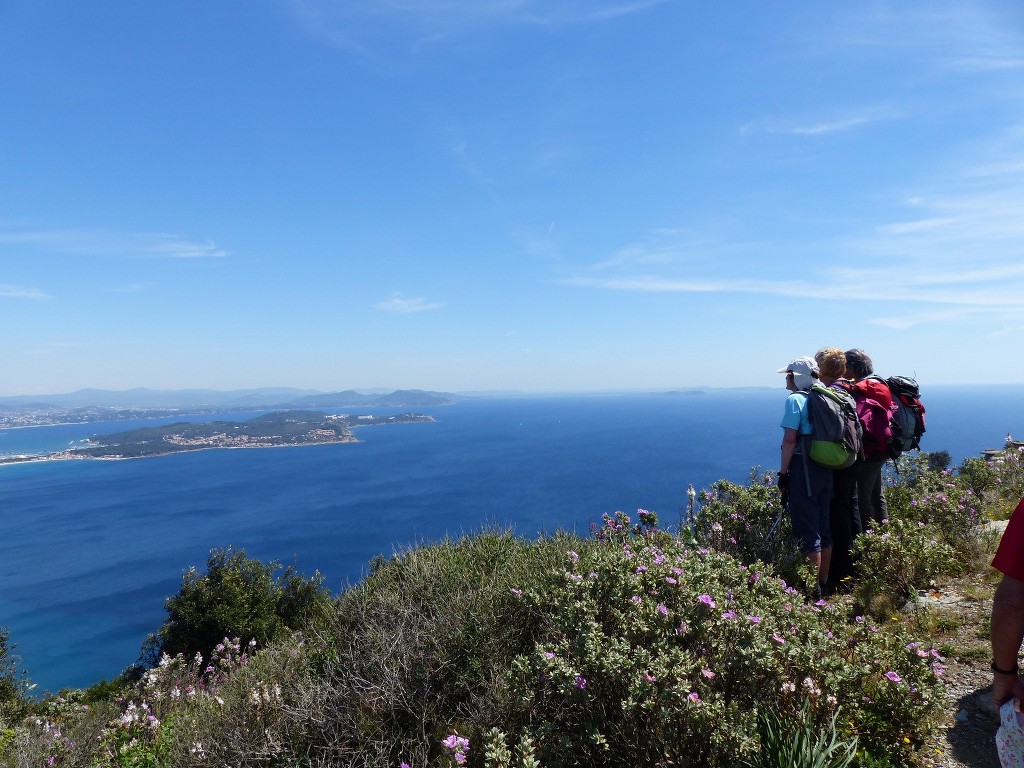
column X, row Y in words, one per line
column 1008, row 612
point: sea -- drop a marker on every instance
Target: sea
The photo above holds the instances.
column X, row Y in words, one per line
column 90, row 550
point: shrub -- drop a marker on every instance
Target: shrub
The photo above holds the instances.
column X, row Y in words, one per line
column 232, row 709
column 748, row 522
column 13, row 683
column 939, row 461
column 423, row 646
column 643, row 635
column 1009, row 478
column 976, row 474
column 63, row 731
column 896, row 559
column 238, row 596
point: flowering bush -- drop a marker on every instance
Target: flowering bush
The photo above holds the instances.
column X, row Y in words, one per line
column 63, row 730
column 1008, row 481
column 685, row 645
column 747, row 522
column 238, row 712
column 898, row 558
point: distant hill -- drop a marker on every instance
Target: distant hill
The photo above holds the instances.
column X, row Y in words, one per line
column 209, row 399
column 92, row 405
column 403, row 398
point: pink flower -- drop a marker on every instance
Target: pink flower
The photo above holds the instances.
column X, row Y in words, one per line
column 694, row 697
column 708, row 674
column 893, row 677
column 456, row 743
column 707, row 600
column 663, row 610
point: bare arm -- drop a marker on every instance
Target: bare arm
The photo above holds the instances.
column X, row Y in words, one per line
column 788, row 446
column 1007, row 634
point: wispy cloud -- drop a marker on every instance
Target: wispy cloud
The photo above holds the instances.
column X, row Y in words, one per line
column 352, row 25
column 823, row 125
column 832, row 127
column 20, row 292
column 953, row 248
column 399, row 304
column 988, row 296
column 131, row 288
column 100, row 243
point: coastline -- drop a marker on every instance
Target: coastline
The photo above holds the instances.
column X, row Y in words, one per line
column 74, row 456
column 274, row 430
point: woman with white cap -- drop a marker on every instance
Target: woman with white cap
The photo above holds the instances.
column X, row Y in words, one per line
column 806, row 484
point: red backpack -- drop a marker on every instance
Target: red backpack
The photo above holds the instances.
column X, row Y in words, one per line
column 874, row 409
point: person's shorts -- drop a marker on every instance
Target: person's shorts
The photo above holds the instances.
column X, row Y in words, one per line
column 809, row 513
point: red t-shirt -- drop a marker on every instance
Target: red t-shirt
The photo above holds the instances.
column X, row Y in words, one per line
column 1010, row 556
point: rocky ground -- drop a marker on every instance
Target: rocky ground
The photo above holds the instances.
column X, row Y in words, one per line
column 967, row 736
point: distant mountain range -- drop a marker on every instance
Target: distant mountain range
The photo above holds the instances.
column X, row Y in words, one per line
column 91, row 405
column 266, row 397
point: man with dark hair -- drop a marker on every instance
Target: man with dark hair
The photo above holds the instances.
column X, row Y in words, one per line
column 1008, row 612
column 870, row 499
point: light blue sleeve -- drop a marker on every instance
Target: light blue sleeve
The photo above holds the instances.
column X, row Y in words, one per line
column 793, row 416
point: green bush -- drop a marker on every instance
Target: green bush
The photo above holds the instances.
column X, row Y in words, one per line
column 747, row 522
column 644, row 636
column 897, row 559
column 13, row 683
column 1009, row 479
column 976, row 474
column 423, row 647
column 238, row 596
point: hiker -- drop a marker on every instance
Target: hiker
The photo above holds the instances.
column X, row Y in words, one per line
column 805, row 484
column 871, row 500
column 844, row 514
column 1008, row 612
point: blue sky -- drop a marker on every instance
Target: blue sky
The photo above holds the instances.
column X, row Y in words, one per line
column 539, row 195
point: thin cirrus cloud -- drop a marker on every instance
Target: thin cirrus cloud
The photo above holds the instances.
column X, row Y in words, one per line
column 821, row 126
column 98, row 243
column 988, row 294
column 351, row 24
column 399, row 304
column 20, row 292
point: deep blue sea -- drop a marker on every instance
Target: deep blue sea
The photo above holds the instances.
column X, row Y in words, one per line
column 89, row 550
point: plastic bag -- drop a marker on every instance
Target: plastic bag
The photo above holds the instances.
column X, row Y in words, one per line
column 1010, row 736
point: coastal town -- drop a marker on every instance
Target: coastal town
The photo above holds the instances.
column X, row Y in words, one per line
column 282, row 428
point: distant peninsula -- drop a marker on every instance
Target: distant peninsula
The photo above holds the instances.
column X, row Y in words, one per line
column 281, row 428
